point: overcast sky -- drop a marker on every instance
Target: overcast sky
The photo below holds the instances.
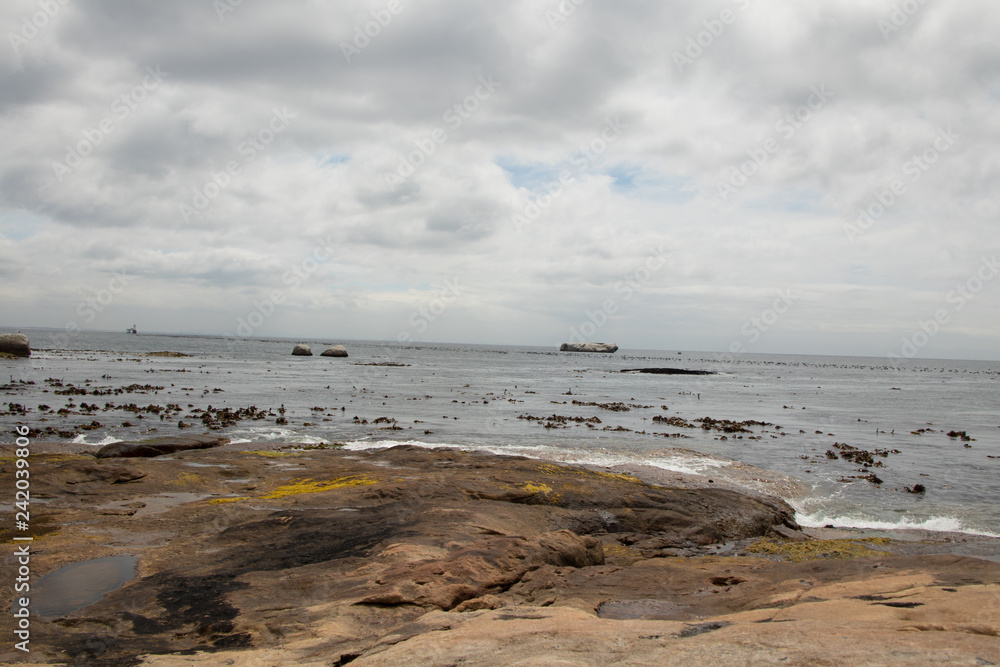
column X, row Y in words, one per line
column 665, row 175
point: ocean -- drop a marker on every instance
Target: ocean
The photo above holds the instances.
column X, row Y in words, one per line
column 845, row 440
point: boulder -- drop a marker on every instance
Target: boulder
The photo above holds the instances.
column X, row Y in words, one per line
column 588, row 347
column 158, row 446
column 335, row 351
column 15, row 344
column 302, row 350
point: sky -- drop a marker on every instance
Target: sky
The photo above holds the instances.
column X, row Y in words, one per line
column 737, row 176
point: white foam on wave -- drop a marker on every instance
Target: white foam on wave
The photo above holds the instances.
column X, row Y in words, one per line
column 272, row 434
column 943, row 524
column 689, row 464
column 361, row 445
column 81, row 439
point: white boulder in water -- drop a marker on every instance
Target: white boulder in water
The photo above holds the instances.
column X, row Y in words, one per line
column 15, row 344
column 588, row 347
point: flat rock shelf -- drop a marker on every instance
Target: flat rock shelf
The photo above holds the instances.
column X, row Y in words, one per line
column 286, row 554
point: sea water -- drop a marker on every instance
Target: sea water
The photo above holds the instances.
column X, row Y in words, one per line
column 479, row 397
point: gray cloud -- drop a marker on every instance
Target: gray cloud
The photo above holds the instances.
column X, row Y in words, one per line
column 402, row 190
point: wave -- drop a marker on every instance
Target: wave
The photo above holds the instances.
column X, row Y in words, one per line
column 940, row 524
column 272, row 434
column 81, row 439
column 689, row 463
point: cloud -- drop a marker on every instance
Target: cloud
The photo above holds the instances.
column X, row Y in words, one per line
column 752, row 138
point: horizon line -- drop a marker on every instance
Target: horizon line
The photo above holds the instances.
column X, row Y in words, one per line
column 735, row 357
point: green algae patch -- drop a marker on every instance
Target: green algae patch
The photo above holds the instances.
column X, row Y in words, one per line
column 311, row 448
column 303, row 486
column 816, row 549
column 58, row 458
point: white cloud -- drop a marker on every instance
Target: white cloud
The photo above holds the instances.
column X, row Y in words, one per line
column 655, row 184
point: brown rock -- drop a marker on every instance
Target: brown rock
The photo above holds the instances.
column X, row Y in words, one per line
column 159, row 446
column 336, row 557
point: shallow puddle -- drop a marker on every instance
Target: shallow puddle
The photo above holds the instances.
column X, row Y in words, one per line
column 80, row 584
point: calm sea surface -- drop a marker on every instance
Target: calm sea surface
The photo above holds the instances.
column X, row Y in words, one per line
column 474, row 396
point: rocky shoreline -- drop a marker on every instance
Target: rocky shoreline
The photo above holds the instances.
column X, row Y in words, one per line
column 278, row 554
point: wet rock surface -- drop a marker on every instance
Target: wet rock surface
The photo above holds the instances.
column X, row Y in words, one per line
column 158, row 446
column 416, row 556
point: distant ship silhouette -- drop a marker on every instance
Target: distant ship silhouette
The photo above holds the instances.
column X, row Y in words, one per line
column 132, row 330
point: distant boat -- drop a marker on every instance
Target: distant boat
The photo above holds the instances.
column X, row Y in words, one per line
column 132, row 330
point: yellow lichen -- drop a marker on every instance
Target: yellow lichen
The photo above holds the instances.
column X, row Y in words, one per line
column 620, row 477
column 303, row 486
column 815, row 549
column 310, row 486
column 619, row 553
column 537, row 488
column 186, row 479
column 219, row 501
